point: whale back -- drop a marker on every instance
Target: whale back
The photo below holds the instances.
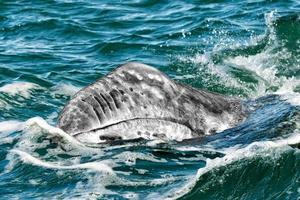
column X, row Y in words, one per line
column 137, row 91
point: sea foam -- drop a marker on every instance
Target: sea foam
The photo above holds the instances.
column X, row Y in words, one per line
column 23, row 89
column 97, row 166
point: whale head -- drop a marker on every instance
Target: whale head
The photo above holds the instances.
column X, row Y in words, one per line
column 137, row 100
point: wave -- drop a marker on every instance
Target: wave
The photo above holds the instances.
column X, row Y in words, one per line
column 98, row 166
column 264, row 150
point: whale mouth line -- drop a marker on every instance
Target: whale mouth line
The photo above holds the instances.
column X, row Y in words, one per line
column 158, row 120
column 130, row 129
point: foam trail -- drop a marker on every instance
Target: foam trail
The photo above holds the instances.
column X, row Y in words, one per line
column 97, row 166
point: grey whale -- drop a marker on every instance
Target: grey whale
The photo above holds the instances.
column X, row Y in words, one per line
column 137, row 100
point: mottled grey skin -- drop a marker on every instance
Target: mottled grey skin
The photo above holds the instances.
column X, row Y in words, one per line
column 139, row 94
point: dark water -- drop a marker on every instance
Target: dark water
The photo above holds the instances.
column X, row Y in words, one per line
column 249, row 49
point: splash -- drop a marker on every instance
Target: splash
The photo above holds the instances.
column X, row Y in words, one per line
column 266, row 64
column 38, row 124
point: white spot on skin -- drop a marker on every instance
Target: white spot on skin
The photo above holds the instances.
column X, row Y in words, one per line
column 139, row 77
column 154, row 76
column 134, row 73
column 122, row 75
column 153, row 90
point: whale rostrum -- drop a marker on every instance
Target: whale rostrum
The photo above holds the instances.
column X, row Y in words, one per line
column 137, row 100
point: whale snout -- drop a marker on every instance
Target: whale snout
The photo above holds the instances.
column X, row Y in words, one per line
column 136, row 100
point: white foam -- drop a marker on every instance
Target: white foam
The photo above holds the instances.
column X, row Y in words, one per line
column 97, row 166
column 131, row 195
column 65, row 89
column 186, row 76
column 218, row 124
column 287, row 91
column 269, row 20
column 209, row 70
column 203, row 59
column 11, row 126
column 8, row 127
column 130, row 158
column 264, row 66
column 19, row 88
column 35, row 128
column 41, row 123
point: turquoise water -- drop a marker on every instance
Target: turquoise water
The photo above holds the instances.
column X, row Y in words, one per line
column 248, row 49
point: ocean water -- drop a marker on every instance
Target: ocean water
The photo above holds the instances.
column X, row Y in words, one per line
column 50, row 49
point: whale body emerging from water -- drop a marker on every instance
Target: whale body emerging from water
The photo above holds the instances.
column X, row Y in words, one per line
column 136, row 100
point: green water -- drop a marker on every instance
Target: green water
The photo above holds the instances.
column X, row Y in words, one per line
column 248, row 49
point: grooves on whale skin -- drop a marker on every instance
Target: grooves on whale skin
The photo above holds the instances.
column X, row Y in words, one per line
column 136, row 100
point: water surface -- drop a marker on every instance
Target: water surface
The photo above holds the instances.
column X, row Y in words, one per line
column 247, row 49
